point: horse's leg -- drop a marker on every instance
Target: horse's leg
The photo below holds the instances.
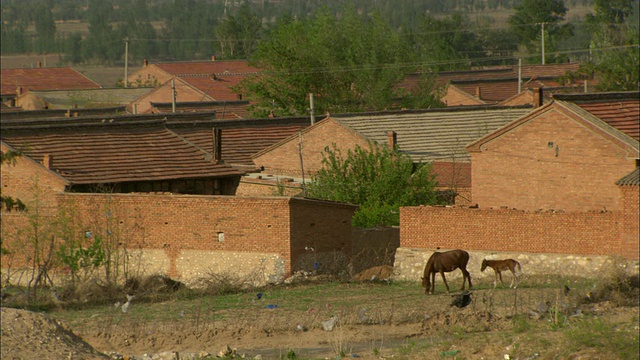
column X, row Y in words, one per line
column 433, row 282
column 465, row 277
column 514, row 281
column 495, row 281
column 444, row 279
column 500, row 275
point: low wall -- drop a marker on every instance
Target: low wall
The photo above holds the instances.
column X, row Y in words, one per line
column 410, row 262
column 601, row 233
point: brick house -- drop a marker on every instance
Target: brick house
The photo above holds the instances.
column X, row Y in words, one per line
column 120, row 155
column 437, row 136
column 79, row 99
column 158, row 179
column 493, row 85
column 16, row 82
column 566, row 155
column 192, row 81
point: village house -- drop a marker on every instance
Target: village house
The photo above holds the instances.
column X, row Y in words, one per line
column 16, row 82
column 556, row 156
column 437, row 136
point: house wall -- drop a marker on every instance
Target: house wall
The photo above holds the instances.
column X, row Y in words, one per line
column 257, row 187
column 285, row 159
column 631, row 222
column 149, row 75
column 30, row 101
column 550, row 162
column 507, row 230
column 184, row 93
column 456, row 97
column 29, row 181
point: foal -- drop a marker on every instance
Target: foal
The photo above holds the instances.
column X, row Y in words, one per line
column 500, row 265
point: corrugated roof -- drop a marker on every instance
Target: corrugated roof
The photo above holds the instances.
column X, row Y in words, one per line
column 54, row 78
column 433, row 135
column 633, row 178
column 108, row 152
column 91, row 98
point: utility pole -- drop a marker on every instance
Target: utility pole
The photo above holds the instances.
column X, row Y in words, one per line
column 126, row 61
column 312, row 110
column 173, row 96
column 519, row 75
column 542, row 42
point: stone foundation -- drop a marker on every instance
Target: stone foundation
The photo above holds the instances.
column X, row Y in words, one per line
column 409, row 264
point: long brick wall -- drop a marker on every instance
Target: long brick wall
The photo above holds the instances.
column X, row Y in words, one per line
column 583, row 233
column 177, row 234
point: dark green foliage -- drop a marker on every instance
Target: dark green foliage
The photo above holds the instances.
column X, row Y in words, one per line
column 378, row 179
column 350, row 63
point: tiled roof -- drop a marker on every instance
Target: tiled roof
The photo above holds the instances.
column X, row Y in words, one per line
column 500, row 83
column 620, row 110
column 91, row 98
column 433, row 135
column 241, row 138
column 61, row 78
column 219, row 88
column 230, row 67
column 20, row 114
column 633, row 178
column 225, row 110
column 115, row 151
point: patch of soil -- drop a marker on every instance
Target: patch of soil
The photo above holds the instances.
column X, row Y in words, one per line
column 29, row 335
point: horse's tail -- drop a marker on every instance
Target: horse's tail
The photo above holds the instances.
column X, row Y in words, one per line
column 518, row 268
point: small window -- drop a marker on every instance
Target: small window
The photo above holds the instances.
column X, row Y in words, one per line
column 220, row 236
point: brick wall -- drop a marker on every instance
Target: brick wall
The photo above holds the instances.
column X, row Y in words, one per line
column 285, row 159
column 184, row 235
column 30, row 181
column 550, row 162
column 258, row 187
column 631, row 222
column 583, row 233
column 162, row 94
column 324, row 227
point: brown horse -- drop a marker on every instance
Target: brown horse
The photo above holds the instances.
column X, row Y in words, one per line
column 501, row 265
column 441, row 262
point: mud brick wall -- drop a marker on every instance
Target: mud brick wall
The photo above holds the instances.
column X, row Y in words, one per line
column 582, row 233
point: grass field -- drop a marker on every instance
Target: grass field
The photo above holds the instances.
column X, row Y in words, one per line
column 594, row 319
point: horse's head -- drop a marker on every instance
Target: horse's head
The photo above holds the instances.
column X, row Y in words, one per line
column 484, row 265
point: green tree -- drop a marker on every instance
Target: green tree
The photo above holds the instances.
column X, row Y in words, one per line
column 379, row 179
column 446, row 43
column 238, row 34
column 45, row 29
column 350, row 63
column 614, row 44
column 531, row 16
column 102, row 44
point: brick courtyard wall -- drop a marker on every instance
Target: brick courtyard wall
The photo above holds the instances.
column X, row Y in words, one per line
column 373, row 247
column 257, row 187
column 582, row 233
column 320, row 233
column 285, row 159
column 550, row 162
column 631, row 222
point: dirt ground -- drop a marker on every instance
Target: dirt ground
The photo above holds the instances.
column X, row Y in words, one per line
column 430, row 328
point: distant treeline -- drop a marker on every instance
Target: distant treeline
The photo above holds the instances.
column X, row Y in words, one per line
column 231, row 29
